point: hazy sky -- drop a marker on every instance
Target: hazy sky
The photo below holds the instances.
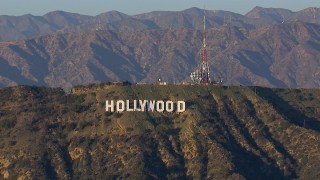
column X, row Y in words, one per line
column 132, row 7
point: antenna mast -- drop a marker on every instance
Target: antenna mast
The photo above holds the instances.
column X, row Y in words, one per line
column 202, row 73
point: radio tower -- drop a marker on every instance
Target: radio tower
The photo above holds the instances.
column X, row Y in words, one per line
column 202, row 73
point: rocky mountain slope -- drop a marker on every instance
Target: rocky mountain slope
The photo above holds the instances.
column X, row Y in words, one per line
column 14, row 28
column 225, row 133
column 282, row 55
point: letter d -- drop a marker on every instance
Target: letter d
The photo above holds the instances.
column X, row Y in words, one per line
column 181, row 106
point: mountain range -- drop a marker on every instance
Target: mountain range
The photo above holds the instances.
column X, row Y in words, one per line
column 266, row 47
column 28, row 26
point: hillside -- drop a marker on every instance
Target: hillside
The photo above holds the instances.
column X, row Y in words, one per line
column 225, row 133
column 282, row 55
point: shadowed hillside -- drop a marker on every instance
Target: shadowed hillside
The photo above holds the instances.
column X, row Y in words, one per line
column 225, row 133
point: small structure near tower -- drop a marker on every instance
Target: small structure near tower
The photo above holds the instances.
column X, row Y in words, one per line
column 202, row 73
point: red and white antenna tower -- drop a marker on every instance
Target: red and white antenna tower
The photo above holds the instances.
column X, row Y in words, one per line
column 202, row 73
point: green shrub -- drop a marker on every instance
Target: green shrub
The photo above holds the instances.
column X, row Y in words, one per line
column 107, row 114
column 71, row 126
column 118, row 115
column 12, row 143
column 283, row 126
column 83, row 124
column 7, row 123
column 78, row 108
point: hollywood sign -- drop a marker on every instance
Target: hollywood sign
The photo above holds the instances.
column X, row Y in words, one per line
column 145, row 105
